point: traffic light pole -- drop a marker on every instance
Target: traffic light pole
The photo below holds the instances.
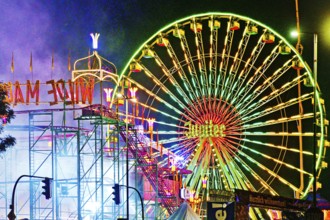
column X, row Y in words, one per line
column 141, row 200
column 116, row 193
column 11, row 215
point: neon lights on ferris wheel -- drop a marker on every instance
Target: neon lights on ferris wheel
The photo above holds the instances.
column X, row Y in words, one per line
column 205, row 131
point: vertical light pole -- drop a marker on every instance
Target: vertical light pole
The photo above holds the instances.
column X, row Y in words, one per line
column 126, row 98
column 133, row 99
column 127, row 163
column 108, row 92
column 314, row 213
column 314, row 114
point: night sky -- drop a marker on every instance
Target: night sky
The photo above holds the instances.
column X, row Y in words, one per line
column 61, row 27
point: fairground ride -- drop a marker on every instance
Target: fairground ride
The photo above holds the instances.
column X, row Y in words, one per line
column 234, row 101
column 215, row 94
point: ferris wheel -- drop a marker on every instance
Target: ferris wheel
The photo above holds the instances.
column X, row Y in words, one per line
column 234, row 101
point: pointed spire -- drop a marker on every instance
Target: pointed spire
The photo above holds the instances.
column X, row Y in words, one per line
column 53, row 60
column 69, row 61
column 31, row 64
column 12, row 63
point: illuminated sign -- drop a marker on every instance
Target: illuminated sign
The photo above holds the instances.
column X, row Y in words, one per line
column 221, row 211
column 77, row 92
column 206, row 130
column 184, row 193
column 268, row 201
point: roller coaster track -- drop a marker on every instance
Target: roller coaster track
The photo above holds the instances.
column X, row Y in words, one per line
column 138, row 145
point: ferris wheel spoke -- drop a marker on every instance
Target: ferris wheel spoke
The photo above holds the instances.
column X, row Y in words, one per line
column 249, row 65
column 268, row 82
column 167, row 115
column 274, row 94
column 226, row 178
column 178, row 68
column 201, row 58
column 234, row 170
column 276, row 108
column 191, row 67
column 231, row 81
column 246, row 184
column 231, row 119
column 225, row 55
column 193, row 180
column 169, row 140
column 178, row 87
column 173, row 81
column 242, row 48
column 258, row 153
column 214, row 25
column 237, row 174
column 278, row 134
column 255, row 175
column 185, row 149
column 269, row 171
column 203, row 167
column 188, row 144
column 254, row 79
column 233, row 78
column 154, row 96
column 278, row 121
column 213, row 178
column 193, row 162
column 279, row 147
column 165, row 89
column 166, row 104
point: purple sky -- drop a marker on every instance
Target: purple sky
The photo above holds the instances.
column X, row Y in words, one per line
column 21, row 34
column 46, row 27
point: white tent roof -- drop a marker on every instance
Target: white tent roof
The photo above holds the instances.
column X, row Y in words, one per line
column 184, row 212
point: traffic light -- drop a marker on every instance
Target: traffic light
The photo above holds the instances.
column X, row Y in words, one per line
column 47, row 187
column 116, row 193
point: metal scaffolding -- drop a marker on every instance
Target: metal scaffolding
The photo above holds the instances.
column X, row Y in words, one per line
column 85, row 155
column 41, row 157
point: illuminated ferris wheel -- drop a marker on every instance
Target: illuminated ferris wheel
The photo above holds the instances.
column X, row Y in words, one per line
column 234, row 101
